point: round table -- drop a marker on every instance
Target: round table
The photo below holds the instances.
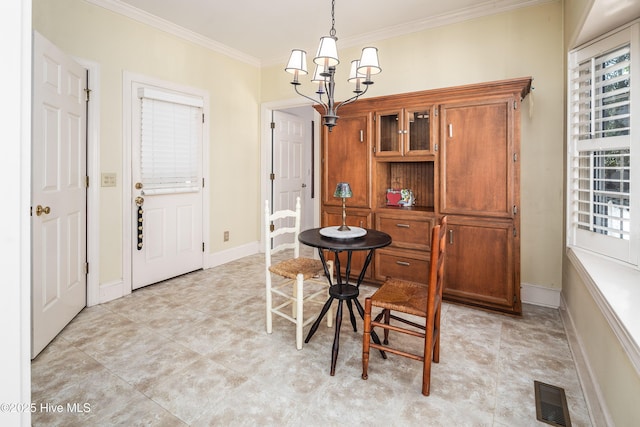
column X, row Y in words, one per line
column 342, row 291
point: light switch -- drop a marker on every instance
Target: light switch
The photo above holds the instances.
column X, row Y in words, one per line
column 108, row 179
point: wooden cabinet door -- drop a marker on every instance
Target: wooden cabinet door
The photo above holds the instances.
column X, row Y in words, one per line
column 480, row 264
column 347, row 158
column 356, row 218
column 478, row 175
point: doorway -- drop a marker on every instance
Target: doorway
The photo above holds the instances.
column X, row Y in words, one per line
column 302, row 123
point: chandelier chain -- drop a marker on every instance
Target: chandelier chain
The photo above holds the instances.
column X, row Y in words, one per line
column 332, row 33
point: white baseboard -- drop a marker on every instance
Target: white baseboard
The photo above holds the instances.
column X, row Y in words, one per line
column 590, row 388
column 539, row 295
column 113, row 290
column 223, row 257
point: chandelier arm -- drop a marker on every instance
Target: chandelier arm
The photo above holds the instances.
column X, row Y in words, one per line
column 352, row 99
column 315, row 101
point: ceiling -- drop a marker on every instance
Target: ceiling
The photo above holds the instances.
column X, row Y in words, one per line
column 267, row 30
column 263, row 32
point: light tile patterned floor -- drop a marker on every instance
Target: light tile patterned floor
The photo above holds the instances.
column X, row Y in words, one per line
column 193, row 351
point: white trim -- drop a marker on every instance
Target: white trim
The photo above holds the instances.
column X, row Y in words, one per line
column 540, row 295
column 479, row 10
column 130, row 79
column 232, row 254
column 93, row 172
column 614, row 288
column 596, row 404
column 112, row 290
column 146, row 18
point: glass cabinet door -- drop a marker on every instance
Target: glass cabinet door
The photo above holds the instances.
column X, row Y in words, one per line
column 389, row 133
column 418, row 140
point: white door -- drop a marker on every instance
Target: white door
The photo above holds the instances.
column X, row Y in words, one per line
column 292, row 179
column 167, row 196
column 58, row 192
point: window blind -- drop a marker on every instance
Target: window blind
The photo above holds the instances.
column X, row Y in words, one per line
column 600, row 198
column 171, row 134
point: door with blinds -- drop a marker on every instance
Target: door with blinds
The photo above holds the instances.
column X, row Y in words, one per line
column 167, row 177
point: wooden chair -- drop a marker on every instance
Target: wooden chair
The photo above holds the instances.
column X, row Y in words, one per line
column 411, row 298
column 281, row 233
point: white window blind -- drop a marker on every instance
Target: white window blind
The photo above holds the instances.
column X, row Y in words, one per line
column 170, row 148
column 600, row 158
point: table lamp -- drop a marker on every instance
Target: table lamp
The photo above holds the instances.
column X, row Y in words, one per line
column 343, row 190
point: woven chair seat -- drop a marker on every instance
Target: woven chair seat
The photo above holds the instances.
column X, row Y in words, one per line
column 402, row 295
column 292, row 267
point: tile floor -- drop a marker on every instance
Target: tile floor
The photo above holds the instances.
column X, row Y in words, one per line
column 193, row 351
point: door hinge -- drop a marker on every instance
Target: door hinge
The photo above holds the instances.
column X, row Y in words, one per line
column 272, row 176
column 202, row 246
column 202, row 182
column 87, row 93
column 272, row 228
column 515, row 157
column 202, row 117
column 86, row 182
column 515, row 232
column 515, row 105
column 86, row 268
column 515, row 210
column 435, row 111
column 435, row 147
column 273, row 125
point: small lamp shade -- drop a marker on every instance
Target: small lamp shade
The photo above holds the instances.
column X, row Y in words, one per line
column 317, row 75
column 327, row 52
column 354, row 75
column 297, row 62
column 343, row 190
column 369, row 64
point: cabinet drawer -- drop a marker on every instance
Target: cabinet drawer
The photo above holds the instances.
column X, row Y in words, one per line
column 406, row 265
column 411, row 233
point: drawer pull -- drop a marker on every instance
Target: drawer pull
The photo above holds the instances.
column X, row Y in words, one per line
column 403, row 263
column 402, row 225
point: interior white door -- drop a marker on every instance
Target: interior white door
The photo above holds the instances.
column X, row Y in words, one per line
column 167, row 222
column 290, row 140
column 58, row 192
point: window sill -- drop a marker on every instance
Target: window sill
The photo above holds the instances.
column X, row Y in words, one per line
column 616, row 290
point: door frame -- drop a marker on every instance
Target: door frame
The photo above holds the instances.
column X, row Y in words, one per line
column 127, row 183
column 267, row 110
column 93, row 172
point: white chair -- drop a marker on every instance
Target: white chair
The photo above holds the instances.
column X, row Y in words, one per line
column 303, row 280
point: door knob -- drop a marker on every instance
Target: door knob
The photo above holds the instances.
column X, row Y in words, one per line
column 304, row 185
column 42, row 210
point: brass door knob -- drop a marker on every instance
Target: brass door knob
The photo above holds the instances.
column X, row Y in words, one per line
column 42, row 210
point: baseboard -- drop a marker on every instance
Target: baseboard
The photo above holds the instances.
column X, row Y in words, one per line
column 539, row 295
column 223, row 257
column 590, row 388
column 113, row 290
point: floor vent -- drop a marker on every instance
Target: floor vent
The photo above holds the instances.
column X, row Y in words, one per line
column 551, row 405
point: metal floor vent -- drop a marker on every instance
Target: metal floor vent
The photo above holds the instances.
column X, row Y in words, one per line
column 551, row 405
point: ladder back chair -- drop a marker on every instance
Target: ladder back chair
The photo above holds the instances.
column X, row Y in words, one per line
column 410, row 298
column 299, row 280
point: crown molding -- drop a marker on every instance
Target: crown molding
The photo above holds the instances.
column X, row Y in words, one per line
column 146, row 18
column 485, row 8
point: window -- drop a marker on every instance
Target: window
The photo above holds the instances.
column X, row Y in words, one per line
column 602, row 202
column 171, row 131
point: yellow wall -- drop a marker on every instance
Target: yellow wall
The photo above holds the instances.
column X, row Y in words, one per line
column 120, row 44
column 520, row 43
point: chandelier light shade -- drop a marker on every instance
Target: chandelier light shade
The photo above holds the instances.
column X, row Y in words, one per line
column 297, row 64
column 326, row 61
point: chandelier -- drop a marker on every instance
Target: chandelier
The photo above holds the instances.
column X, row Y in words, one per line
column 326, row 61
